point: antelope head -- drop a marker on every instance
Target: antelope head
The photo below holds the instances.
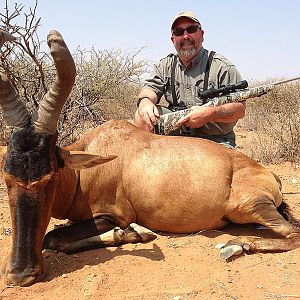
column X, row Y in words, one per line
column 30, row 164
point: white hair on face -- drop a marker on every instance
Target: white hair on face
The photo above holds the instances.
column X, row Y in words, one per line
column 187, row 53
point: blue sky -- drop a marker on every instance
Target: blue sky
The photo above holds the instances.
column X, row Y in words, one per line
column 261, row 37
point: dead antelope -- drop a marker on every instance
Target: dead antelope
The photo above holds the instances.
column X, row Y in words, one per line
column 117, row 175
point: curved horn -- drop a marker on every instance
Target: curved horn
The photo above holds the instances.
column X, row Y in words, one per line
column 6, row 37
column 15, row 112
column 53, row 101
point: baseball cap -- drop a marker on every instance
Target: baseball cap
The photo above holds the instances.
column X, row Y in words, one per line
column 185, row 14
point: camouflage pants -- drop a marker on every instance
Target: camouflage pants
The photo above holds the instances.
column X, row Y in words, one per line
column 227, row 140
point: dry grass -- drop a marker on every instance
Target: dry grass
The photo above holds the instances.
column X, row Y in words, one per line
column 107, row 81
column 107, row 85
column 273, row 121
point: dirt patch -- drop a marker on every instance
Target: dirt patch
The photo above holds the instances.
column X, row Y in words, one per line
column 170, row 267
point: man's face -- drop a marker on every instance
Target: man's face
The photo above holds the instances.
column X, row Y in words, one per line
column 187, row 45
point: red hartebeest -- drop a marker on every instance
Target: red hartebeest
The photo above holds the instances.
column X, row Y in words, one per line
column 172, row 184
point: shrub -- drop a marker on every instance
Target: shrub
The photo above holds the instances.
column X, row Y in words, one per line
column 107, row 81
column 275, row 122
column 107, row 85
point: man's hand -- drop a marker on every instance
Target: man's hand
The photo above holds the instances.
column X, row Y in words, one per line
column 201, row 115
column 197, row 118
column 148, row 112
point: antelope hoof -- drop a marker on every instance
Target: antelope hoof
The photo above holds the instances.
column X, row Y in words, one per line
column 145, row 234
column 229, row 251
column 24, row 277
column 234, row 248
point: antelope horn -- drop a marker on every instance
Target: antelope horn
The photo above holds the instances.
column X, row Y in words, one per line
column 53, row 101
column 15, row 112
column 6, row 37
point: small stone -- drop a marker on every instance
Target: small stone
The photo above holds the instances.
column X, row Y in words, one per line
column 7, row 231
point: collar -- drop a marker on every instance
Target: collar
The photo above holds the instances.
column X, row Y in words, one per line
column 197, row 58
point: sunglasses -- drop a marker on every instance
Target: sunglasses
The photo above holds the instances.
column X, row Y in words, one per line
column 180, row 31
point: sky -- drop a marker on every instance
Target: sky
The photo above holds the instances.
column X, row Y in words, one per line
column 261, row 37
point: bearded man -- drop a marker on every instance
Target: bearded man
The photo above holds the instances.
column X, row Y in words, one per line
column 181, row 77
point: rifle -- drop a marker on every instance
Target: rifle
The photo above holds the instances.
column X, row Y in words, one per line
column 233, row 93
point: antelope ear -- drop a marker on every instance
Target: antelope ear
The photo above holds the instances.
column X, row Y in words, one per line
column 81, row 160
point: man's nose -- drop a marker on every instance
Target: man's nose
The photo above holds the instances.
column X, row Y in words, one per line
column 186, row 35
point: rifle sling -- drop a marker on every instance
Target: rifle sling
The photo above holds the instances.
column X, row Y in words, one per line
column 174, row 96
column 206, row 76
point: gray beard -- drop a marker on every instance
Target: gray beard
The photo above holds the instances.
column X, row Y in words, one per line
column 187, row 53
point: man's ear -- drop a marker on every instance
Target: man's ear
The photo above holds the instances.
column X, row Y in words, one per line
column 82, row 160
column 202, row 35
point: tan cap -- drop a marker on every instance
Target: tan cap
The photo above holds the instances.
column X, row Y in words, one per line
column 185, row 14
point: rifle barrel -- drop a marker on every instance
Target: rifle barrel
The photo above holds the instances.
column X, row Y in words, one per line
column 287, row 80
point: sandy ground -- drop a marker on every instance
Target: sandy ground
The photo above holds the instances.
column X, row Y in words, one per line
column 170, row 267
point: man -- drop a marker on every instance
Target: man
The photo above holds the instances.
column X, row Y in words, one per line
column 181, row 77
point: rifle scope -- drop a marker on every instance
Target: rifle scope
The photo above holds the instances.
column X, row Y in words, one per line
column 225, row 90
